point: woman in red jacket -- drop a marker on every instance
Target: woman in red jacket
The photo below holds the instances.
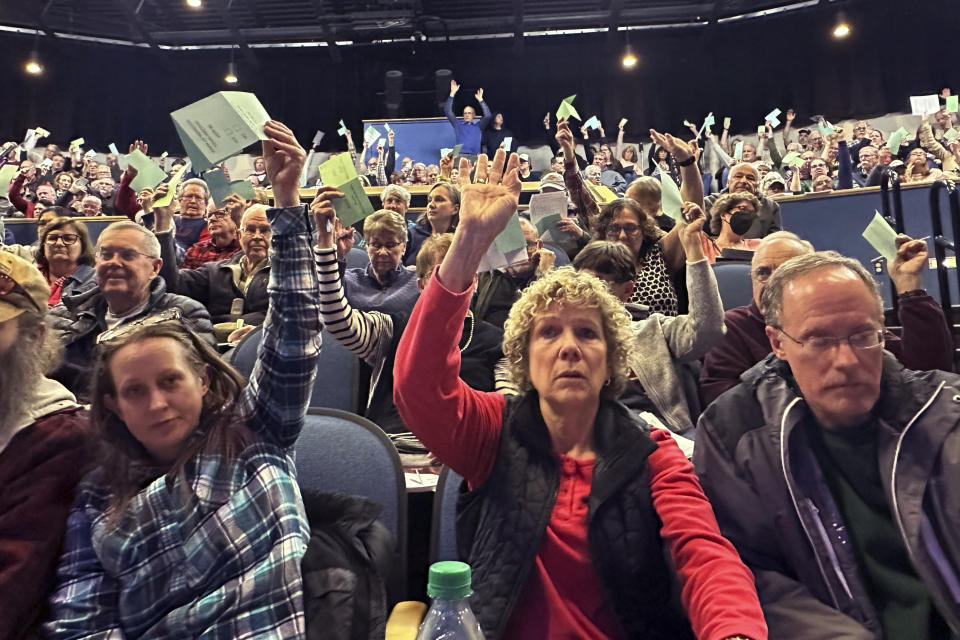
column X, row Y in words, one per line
column 571, row 500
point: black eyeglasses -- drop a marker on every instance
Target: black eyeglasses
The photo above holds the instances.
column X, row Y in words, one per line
column 613, row 230
column 217, row 215
column 389, row 246
column 66, row 238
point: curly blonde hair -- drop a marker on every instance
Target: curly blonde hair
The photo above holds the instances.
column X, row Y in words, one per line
column 567, row 286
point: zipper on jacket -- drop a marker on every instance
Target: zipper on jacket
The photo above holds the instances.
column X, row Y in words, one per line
column 830, row 550
column 893, row 489
column 796, row 506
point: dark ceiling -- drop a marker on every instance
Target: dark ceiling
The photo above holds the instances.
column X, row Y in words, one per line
column 173, row 24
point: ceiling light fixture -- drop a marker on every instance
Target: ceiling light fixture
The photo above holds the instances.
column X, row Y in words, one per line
column 629, row 60
column 196, row 4
column 842, row 28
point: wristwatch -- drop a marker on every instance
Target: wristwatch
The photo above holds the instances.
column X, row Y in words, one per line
column 689, row 161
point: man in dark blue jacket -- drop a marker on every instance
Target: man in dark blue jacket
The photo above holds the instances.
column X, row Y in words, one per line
column 469, row 132
column 834, row 470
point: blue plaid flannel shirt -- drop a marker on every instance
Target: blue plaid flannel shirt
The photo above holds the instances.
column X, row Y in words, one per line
column 219, row 559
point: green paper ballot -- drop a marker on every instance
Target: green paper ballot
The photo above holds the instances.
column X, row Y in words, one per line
column 546, row 209
column 7, row 173
column 337, row 170
column 342, row 129
column 726, row 123
column 670, row 199
column 566, row 109
column 386, row 125
column 761, row 130
column 687, row 124
column 953, row 104
column 76, row 144
column 623, row 123
column 894, row 142
column 221, row 187
column 445, row 152
column 354, row 205
column 511, row 238
column 149, row 175
column 371, row 135
column 507, row 142
column 456, row 150
column 174, row 183
column 738, row 151
column 592, row 122
column 951, row 135
column 508, row 248
column 113, row 149
column 243, row 188
column 793, row 159
column 220, row 126
column 882, row 237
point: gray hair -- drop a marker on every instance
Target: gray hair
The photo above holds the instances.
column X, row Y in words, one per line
column 396, row 191
column 772, row 299
column 199, row 183
column 782, row 235
column 148, row 242
column 592, row 169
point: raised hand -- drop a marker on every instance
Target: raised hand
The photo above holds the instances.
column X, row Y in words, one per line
column 284, row 158
column 546, row 121
column 141, row 145
column 344, row 238
column 565, row 140
column 488, row 203
column 479, row 95
column 907, row 268
column 163, row 216
column 690, row 231
column 568, row 225
column 454, row 87
column 790, row 115
column 324, row 215
column 446, row 165
column 679, row 149
column 391, row 136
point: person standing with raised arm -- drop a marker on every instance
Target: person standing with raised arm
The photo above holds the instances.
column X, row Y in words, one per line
column 469, row 133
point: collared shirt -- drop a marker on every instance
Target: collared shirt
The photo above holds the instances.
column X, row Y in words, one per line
column 206, row 251
column 217, row 549
column 397, row 293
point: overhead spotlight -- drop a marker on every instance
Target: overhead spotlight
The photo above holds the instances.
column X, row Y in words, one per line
column 231, row 77
column 196, row 4
column 33, row 66
column 629, row 60
column 842, row 28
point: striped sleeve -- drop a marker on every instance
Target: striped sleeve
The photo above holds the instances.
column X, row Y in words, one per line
column 367, row 334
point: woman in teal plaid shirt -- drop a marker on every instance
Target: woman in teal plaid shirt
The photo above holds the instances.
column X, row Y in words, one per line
column 193, row 525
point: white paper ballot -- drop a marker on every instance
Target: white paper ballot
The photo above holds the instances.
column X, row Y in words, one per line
column 507, row 142
column 923, row 105
column 881, row 237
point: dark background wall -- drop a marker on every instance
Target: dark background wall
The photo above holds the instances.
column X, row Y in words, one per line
column 740, row 69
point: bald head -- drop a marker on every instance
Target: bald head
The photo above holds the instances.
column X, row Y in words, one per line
column 774, row 250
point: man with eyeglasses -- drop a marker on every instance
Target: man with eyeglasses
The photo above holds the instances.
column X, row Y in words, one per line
column 223, row 243
column 834, row 470
column 924, row 343
column 233, row 288
column 127, row 288
column 191, row 225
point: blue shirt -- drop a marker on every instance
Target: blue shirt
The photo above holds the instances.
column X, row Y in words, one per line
column 397, row 294
column 467, row 133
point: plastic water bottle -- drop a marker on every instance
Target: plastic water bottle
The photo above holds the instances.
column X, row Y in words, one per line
column 450, row 616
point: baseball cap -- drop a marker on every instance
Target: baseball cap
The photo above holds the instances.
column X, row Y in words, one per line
column 525, row 157
column 551, row 181
column 804, row 130
column 22, row 288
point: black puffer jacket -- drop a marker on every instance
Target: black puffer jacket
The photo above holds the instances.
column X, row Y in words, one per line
column 346, row 568
column 500, row 525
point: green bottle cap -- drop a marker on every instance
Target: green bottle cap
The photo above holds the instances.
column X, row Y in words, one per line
column 449, row 580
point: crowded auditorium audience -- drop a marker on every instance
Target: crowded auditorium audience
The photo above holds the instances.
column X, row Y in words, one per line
column 570, row 386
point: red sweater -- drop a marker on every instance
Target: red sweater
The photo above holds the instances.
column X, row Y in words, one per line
column 562, row 597
column 16, row 197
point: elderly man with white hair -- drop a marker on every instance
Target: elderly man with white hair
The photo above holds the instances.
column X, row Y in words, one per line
column 231, row 289
column 924, row 343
